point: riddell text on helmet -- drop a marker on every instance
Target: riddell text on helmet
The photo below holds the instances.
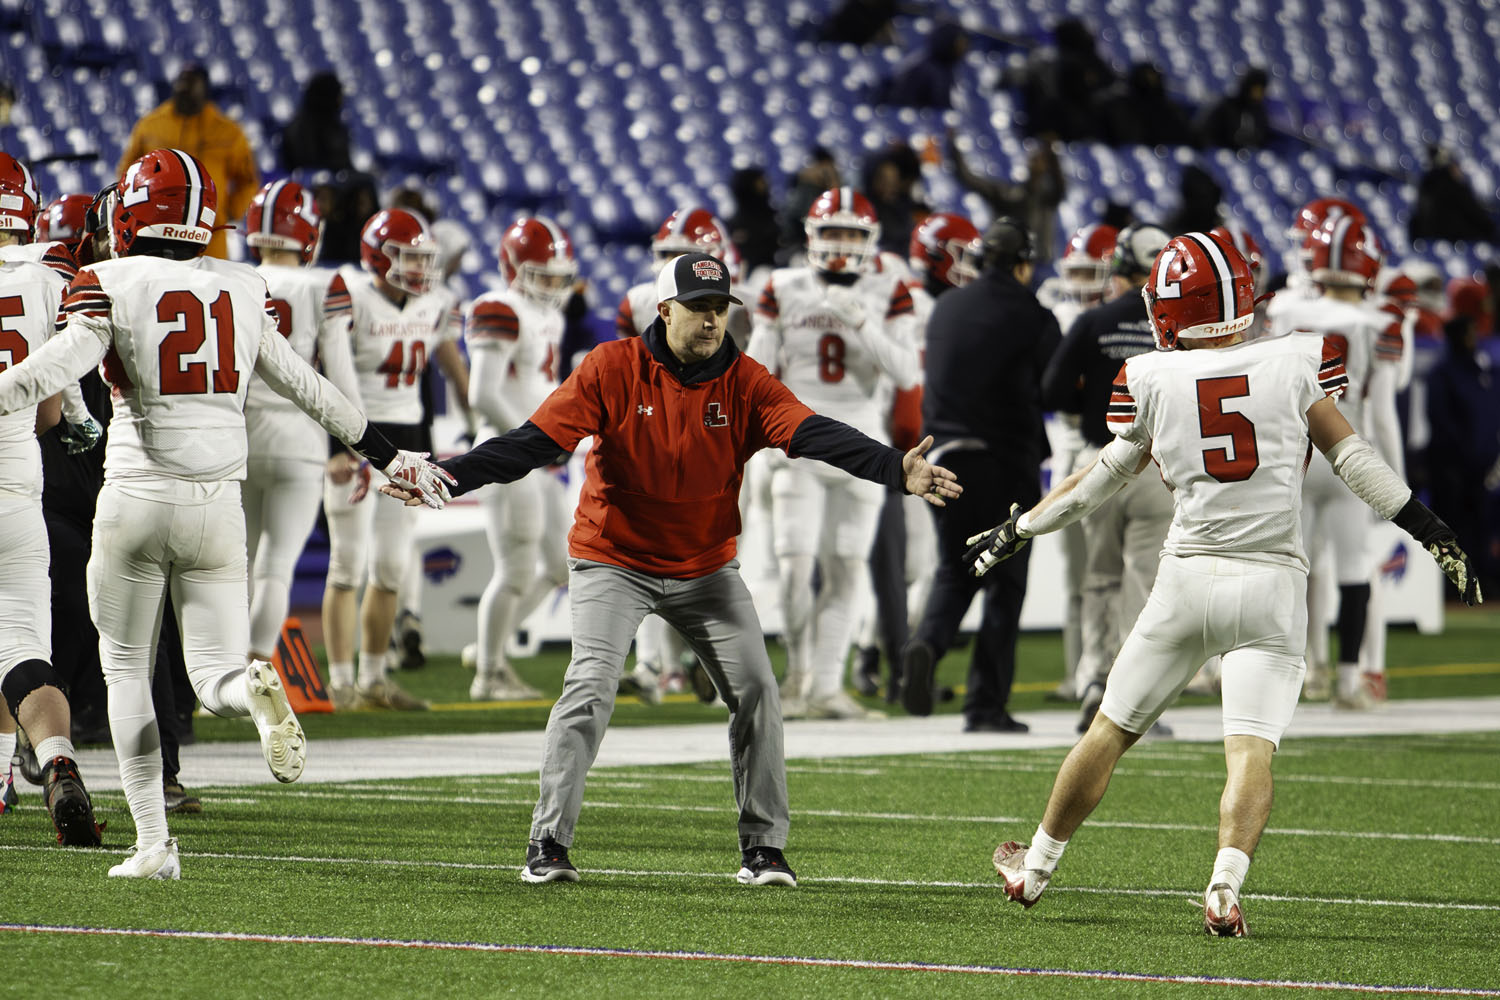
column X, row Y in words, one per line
column 191, row 235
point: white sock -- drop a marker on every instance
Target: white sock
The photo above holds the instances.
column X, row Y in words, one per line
column 7, row 750
column 1230, row 867
column 371, row 668
column 341, row 674
column 1349, row 679
column 55, row 746
column 1044, row 852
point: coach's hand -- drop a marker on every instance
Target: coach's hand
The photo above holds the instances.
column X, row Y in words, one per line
column 79, row 438
column 989, row 548
column 930, row 482
column 413, row 478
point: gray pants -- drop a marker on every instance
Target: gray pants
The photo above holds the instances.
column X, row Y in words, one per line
column 716, row 616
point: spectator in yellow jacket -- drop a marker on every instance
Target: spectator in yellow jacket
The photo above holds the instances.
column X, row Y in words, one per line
column 190, row 123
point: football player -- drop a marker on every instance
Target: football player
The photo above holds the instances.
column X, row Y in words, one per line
column 515, row 337
column 1343, row 256
column 178, row 334
column 399, row 315
column 1229, row 422
column 284, row 468
column 830, row 331
column 1284, row 311
column 30, row 294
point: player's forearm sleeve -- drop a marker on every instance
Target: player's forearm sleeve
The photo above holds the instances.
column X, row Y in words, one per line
column 503, row 459
column 74, row 410
column 843, row 447
column 54, row 366
column 1115, row 466
column 289, row 376
column 1369, row 478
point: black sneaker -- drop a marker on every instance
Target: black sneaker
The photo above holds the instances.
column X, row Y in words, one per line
column 917, row 661
column 69, row 804
column 547, row 861
column 765, row 866
column 178, row 800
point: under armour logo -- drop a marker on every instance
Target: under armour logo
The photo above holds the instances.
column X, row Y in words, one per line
column 712, row 417
column 643, row 409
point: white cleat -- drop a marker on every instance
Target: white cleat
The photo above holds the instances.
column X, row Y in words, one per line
column 502, row 686
column 645, row 682
column 281, row 738
column 1022, row 884
column 158, row 862
column 840, row 706
column 1221, row 912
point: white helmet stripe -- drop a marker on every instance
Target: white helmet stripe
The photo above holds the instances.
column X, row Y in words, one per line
column 268, row 208
column 195, row 188
column 1223, row 274
column 1340, row 234
column 558, row 239
column 679, row 221
column 846, row 199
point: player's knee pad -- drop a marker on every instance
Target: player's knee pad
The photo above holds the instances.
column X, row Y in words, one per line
column 388, row 568
column 24, row 678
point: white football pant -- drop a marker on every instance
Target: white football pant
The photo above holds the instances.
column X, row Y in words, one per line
column 281, row 498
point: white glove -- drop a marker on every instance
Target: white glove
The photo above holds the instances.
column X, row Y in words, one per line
column 846, row 306
column 411, row 471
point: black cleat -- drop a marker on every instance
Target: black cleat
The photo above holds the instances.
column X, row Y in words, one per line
column 69, row 804
column 703, row 685
column 766, row 866
column 917, row 662
column 547, row 861
column 25, row 760
column 178, row 799
column 8, row 797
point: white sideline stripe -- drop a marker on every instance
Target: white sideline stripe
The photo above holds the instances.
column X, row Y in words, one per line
column 1443, row 838
column 701, row 956
column 1191, row 896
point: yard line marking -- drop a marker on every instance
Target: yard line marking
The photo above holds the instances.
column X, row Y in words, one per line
column 1105, row 975
column 1191, row 895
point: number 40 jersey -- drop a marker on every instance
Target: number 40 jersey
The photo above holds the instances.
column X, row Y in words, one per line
column 392, row 343
column 1228, row 427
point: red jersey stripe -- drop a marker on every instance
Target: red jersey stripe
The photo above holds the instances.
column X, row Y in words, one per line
column 768, row 306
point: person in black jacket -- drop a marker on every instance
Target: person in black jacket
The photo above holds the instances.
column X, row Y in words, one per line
column 987, row 344
column 1123, row 538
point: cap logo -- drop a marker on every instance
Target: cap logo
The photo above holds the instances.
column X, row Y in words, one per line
column 708, row 270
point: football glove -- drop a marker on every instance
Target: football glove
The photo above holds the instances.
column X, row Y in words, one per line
column 845, row 304
column 1442, row 544
column 992, row 547
column 361, row 481
column 79, row 438
column 411, row 471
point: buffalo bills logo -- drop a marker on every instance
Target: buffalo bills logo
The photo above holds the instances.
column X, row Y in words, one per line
column 713, row 416
column 441, row 564
column 1393, row 567
column 708, row 270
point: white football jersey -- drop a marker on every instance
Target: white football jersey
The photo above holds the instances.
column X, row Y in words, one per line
column 54, row 255
column 514, row 344
column 829, row 366
column 391, row 345
column 1353, row 329
column 30, row 296
column 1228, row 428
column 311, row 306
column 1285, row 309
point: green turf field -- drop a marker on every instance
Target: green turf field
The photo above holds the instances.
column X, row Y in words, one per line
column 1387, row 881
column 1381, row 868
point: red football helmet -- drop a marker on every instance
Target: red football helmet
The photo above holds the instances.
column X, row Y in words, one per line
column 842, row 231
column 1235, row 234
column 947, row 247
column 690, row 230
column 536, row 257
column 1085, row 265
column 396, row 246
column 19, row 198
column 1311, row 216
column 166, row 195
column 1200, row 287
column 284, row 216
column 1395, row 285
column 1343, row 251
column 64, row 219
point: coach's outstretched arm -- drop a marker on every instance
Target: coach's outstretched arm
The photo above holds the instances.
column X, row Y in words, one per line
column 502, row 459
column 1377, row 484
column 1070, row 500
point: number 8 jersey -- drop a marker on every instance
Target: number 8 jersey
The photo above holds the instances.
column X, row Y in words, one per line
column 391, row 345
column 1228, row 427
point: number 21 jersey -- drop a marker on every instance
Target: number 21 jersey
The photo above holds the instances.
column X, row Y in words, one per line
column 1228, row 427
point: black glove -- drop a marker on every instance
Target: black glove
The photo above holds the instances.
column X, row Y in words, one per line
column 79, row 438
column 996, row 545
column 1442, row 544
